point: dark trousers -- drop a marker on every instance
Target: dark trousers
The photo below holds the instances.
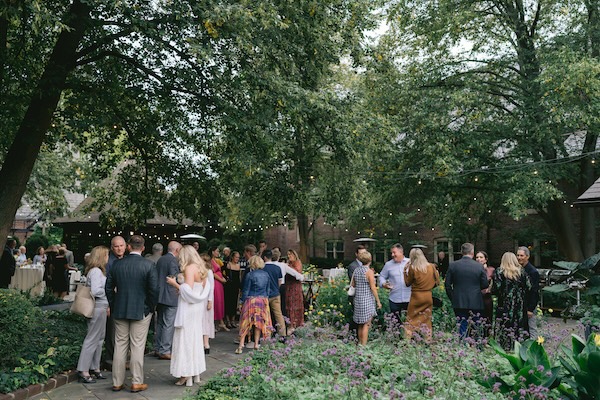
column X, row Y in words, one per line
column 353, row 325
column 282, row 295
column 468, row 321
column 396, row 310
column 109, row 341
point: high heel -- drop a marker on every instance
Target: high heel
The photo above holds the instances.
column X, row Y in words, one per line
column 207, row 350
column 197, row 379
column 97, row 374
column 223, row 327
column 187, row 381
column 239, row 350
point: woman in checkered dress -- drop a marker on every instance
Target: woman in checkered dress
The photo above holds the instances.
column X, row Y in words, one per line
column 366, row 298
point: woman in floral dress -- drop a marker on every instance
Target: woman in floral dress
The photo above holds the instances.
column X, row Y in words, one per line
column 294, row 298
column 510, row 284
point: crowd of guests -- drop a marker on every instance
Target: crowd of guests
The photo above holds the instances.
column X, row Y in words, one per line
column 190, row 296
column 470, row 284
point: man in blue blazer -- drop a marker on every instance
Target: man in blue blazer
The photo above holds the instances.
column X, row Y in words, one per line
column 132, row 294
column 166, row 310
column 464, row 281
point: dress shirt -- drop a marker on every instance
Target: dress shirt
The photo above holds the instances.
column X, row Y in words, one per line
column 286, row 269
column 394, row 272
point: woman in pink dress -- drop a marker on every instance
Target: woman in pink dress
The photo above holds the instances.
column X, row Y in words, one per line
column 219, row 291
column 294, row 297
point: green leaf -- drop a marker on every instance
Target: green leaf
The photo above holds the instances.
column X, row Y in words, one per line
column 578, row 344
column 594, row 363
column 536, row 355
column 560, row 288
column 590, row 262
column 571, row 266
column 515, row 361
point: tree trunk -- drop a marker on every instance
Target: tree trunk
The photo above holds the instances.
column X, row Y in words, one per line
column 558, row 217
column 24, row 150
column 588, row 214
column 303, row 232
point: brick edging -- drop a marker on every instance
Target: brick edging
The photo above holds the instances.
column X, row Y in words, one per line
column 33, row 390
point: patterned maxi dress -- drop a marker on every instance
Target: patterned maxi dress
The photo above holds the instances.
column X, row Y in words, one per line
column 511, row 311
column 365, row 307
column 294, row 298
column 219, row 292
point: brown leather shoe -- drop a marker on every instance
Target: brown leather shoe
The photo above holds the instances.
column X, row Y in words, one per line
column 164, row 357
column 138, row 387
column 117, row 388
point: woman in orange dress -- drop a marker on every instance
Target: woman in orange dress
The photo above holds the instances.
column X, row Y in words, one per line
column 422, row 277
column 294, row 298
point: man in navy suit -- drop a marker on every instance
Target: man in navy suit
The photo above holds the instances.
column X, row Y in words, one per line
column 132, row 294
column 166, row 310
column 464, row 281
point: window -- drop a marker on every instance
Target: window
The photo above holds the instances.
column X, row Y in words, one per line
column 335, row 249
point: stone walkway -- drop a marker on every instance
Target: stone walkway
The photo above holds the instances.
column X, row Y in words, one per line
column 160, row 382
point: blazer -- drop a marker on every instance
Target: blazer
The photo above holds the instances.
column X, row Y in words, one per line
column 165, row 266
column 351, row 267
column 134, row 279
column 533, row 295
column 464, row 280
column 7, row 266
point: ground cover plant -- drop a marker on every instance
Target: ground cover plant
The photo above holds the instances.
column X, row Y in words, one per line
column 35, row 344
column 324, row 362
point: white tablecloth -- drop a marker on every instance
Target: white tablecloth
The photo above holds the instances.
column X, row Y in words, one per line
column 26, row 278
column 337, row 273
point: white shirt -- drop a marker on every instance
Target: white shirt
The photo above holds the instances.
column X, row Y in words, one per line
column 394, row 272
column 286, row 269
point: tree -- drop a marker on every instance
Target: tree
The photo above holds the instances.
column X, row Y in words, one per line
column 121, row 81
column 476, row 90
column 289, row 143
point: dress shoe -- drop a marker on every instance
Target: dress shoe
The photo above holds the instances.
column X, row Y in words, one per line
column 86, row 379
column 138, row 387
column 164, row 357
column 207, row 350
column 117, row 388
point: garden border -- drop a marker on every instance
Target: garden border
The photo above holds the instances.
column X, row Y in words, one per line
column 35, row 389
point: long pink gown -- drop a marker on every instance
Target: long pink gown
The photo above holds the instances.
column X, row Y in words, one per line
column 219, row 293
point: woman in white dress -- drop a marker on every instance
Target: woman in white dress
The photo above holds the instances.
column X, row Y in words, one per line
column 187, row 354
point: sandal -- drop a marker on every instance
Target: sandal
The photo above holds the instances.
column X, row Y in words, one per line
column 86, row 379
column 97, row 374
column 239, row 350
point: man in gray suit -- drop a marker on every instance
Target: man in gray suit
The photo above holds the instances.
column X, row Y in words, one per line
column 464, row 281
column 132, row 293
column 166, row 310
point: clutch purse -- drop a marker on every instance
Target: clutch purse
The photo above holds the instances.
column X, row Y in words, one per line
column 84, row 302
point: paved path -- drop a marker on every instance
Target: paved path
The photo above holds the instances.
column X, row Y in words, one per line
column 160, row 382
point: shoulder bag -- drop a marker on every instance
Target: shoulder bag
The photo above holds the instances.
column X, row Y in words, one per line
column 84, row 302
column 351, row 288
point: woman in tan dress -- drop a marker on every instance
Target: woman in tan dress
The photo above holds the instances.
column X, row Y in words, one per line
column 422, row 277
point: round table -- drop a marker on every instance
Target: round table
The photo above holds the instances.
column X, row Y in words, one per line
column 29, row 278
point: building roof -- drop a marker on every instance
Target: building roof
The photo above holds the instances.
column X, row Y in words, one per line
column 79, row 215
column 591, row 197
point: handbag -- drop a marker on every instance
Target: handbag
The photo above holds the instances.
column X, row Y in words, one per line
column 351, row 289
column 84, row 302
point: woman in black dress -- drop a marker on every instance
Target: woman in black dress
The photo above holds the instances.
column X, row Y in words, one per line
column 232, row 289
column 58, row 275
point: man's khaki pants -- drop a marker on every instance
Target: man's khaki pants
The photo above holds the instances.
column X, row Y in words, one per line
column 130, row 335
column 275, row 306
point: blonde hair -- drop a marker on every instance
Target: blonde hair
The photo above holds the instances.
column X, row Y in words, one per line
column 364, row 257
column 97, row 259
column 188, row 256
column 256, row 263
column 418, row 261
column 292, row 251
column 509, row 266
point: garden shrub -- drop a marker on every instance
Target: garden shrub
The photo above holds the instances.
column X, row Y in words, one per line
column 34, row 241
column 18, row 321
column 52, row 346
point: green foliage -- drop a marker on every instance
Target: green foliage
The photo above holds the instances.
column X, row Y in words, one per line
column 52, row 346
column 322, row 365
column 582, row 365
column 531, row 366
column 34, row 242
column 19, row 320
column 327, row 263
